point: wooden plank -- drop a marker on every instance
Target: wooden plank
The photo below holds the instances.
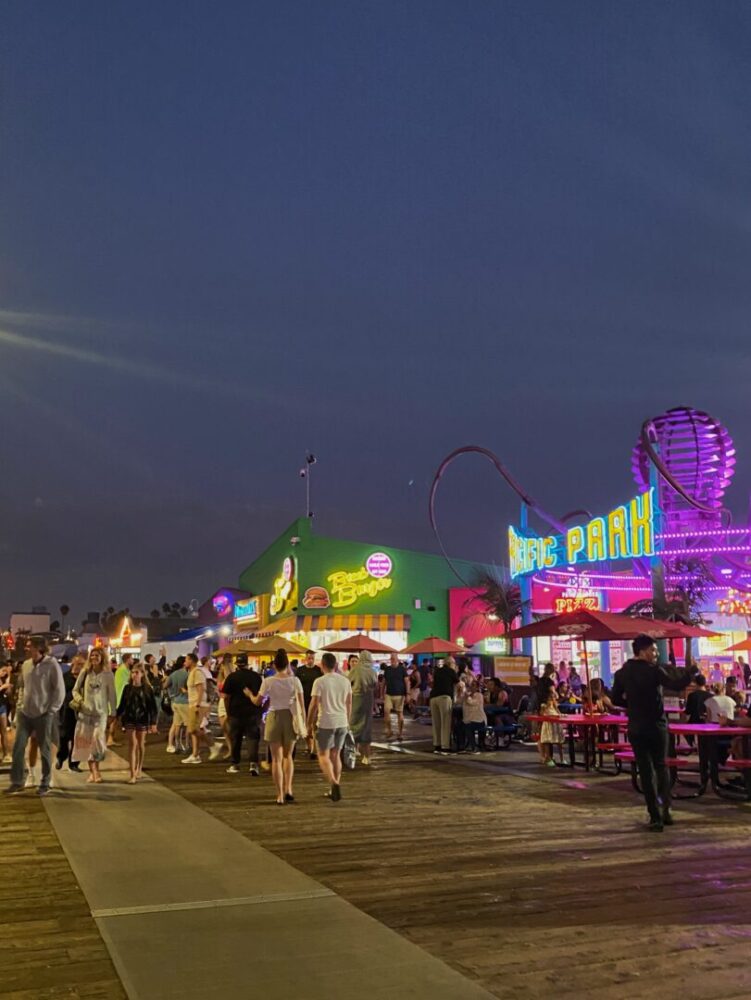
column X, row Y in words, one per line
column 538, row 888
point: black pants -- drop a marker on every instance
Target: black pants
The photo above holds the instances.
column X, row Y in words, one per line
column 67, row 729
column 249, row 727
column 650, row 748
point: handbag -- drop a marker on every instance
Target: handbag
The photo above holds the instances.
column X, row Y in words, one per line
column 349, row 752
column 299, row 722
column 77, row 698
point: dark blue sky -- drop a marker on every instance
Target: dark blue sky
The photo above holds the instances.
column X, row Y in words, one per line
column 230, row 232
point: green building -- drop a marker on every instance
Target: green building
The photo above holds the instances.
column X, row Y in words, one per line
column 316, row 589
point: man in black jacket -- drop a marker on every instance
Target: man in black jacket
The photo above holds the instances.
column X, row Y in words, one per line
column 638, row 686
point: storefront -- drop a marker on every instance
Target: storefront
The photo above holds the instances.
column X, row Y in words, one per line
column 317, row 590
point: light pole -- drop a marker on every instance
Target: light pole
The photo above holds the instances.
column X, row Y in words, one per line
column 305, row 473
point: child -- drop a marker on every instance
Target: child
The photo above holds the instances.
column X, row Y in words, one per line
column 137, row 712
column 473, row 717
column 550, row 732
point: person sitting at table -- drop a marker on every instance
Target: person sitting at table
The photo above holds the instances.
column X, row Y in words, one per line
column 737, row 743
column 637, row 687
column 551, row 733
column 575, row 681
column 567, row 700
column 720, row 705
column 595, row 699
column 695, row 710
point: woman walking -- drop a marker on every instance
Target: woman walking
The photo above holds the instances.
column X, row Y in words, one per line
column 225, row 669
column 285, row 695
column 362, row 677
column 137, row 713
column 5, row 696
column 95, row 701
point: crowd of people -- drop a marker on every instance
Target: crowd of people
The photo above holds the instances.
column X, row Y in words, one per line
column 75, row 711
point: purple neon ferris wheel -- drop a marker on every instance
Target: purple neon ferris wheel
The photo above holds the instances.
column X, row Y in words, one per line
column 695, row 458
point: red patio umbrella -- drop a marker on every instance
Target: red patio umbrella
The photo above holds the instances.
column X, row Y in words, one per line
column 359, row 644
column 682, row 631
column 434, row 646
column 739, row 646
column 597, row 626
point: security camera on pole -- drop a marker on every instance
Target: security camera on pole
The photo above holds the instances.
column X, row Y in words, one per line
column 305, row 471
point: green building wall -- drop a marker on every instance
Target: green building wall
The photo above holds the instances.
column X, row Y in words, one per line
column 415, row 575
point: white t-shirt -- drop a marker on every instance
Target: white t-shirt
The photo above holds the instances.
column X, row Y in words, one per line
column 717, row 705
column 196, row 681
column 333, row 690
column 280, row 691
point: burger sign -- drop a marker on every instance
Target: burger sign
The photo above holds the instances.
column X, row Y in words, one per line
column 346, row 587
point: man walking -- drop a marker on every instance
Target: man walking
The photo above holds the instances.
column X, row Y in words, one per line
column 308, row 674
column 44, row 693
column 243, row 715
column 638, row 686
column 198, row 710
column 177, row 690
column 331, row 706
column 396, row 691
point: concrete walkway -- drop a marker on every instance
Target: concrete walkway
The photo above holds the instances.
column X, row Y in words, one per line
column 189, row 908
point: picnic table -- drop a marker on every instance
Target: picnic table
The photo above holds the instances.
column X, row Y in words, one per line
column 589, row 724
column 707, row 734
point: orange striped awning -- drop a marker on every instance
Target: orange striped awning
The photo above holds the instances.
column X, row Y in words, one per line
column 353, row 623
column 336, row 623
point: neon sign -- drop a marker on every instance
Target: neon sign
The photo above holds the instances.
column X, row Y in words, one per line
column 576, row 602
column 379, row 565
column 284, row 587
column 628, row 532
column 734, row 604
column 248, row 610
column 347, row 587
column 222, row 604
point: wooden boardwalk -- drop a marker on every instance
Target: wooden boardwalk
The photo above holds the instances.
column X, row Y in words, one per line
column 50, row 943
column 541, row 886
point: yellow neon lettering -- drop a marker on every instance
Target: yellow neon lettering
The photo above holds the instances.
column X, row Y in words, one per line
column 617, row 534
column 549, row 557
column 574, row 544
column 596, row 540
column 642, row 526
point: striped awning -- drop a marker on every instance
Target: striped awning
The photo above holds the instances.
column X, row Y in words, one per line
column 353, row 623
column 336, row 623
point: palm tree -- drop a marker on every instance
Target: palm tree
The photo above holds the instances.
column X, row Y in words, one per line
column 64, row 612
column 498, row 595
column 684, row 600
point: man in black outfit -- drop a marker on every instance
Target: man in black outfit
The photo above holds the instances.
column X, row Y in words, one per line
column 638, row 686
column 244, row 717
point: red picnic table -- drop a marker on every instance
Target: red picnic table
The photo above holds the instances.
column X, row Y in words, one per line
column 590, row 725
column 707, row 734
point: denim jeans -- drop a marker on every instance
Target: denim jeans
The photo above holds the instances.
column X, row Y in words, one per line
column 41, row 727
column 474, row 732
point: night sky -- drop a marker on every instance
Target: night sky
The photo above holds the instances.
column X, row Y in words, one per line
column 232, row 232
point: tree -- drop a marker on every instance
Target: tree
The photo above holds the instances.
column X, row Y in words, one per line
column 64, row 612
column 499, row 597
column 155, row 613
column 688, row 580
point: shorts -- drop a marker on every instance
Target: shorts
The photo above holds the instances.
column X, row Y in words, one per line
column 136, row 727
column 393, row 703
column 279, row 728
column 195, row 718
column 331, row 739
column 179, row 714
column 3, row 709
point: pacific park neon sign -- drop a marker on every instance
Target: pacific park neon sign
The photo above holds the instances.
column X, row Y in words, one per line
column 628, row 532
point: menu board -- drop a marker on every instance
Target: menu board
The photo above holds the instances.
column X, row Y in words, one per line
column 514, row 670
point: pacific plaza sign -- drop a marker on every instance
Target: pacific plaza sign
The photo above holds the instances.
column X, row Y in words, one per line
column 628, row 532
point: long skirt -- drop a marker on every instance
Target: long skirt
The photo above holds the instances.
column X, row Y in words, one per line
column 90, row 738
column 361, row 721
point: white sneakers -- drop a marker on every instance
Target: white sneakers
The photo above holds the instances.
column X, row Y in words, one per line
column 171, row 749
column 216, row 750
column 233, row 770
column 191, row 760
